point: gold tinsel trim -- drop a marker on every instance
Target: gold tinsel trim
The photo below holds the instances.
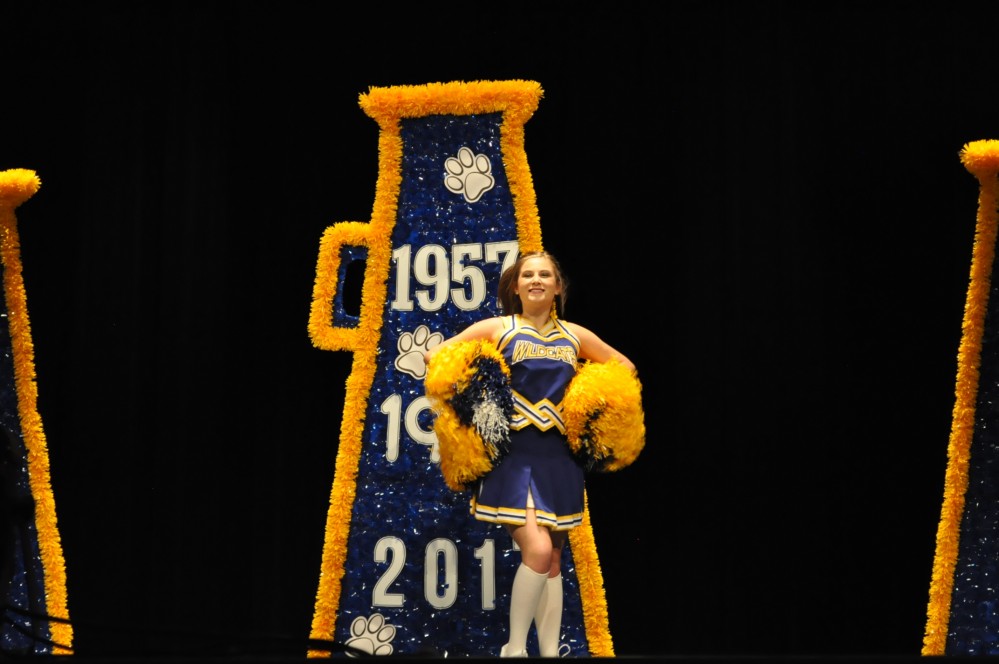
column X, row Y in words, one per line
column 362, row 339
column 591, row 586
column 981, row 158
column 17, row 186
column 603, row 415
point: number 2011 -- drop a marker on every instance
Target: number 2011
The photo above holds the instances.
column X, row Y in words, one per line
column 440, row 573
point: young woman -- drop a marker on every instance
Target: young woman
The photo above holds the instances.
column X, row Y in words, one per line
column 536, row 489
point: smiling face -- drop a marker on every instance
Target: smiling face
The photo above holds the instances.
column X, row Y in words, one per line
column 537, row 284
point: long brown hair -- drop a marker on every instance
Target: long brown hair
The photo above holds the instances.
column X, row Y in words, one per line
column 507, row 292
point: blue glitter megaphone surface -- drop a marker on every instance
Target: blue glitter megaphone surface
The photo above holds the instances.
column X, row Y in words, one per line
column 405, row 568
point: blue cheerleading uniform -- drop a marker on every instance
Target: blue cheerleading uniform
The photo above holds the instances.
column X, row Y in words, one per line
column 539, row 464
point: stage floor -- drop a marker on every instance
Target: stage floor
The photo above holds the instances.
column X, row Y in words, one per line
column 670, row 658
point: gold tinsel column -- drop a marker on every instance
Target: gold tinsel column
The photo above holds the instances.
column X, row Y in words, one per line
column 17, row 186
column 961, row 616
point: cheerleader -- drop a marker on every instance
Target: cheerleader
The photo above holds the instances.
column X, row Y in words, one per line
column 535, row 487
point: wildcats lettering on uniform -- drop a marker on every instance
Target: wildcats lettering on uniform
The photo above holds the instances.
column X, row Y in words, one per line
column 527, row 350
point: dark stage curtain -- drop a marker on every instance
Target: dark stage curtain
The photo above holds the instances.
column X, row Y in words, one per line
column 760, row 203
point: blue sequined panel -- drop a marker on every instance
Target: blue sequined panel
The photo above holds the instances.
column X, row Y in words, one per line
column 422, row 576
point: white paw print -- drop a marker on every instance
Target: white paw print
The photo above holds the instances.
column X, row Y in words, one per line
column 371, row 635
column 411, row 346
column 469, row 174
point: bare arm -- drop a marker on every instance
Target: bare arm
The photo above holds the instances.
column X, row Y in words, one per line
column 484, row 329
column 595, row 349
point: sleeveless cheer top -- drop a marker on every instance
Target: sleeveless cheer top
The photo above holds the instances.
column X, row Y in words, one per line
column 542, row 364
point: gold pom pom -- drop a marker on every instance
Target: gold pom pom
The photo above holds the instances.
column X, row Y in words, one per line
column 452, row 367
column 465, row 456
column 603, row 415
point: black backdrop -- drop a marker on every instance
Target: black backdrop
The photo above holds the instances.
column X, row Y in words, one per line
column 761, row 203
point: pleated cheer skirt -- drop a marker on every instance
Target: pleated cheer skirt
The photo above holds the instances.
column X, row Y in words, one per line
column 538, row 462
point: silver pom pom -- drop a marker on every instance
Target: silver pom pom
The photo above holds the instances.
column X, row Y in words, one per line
column 492, row 424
